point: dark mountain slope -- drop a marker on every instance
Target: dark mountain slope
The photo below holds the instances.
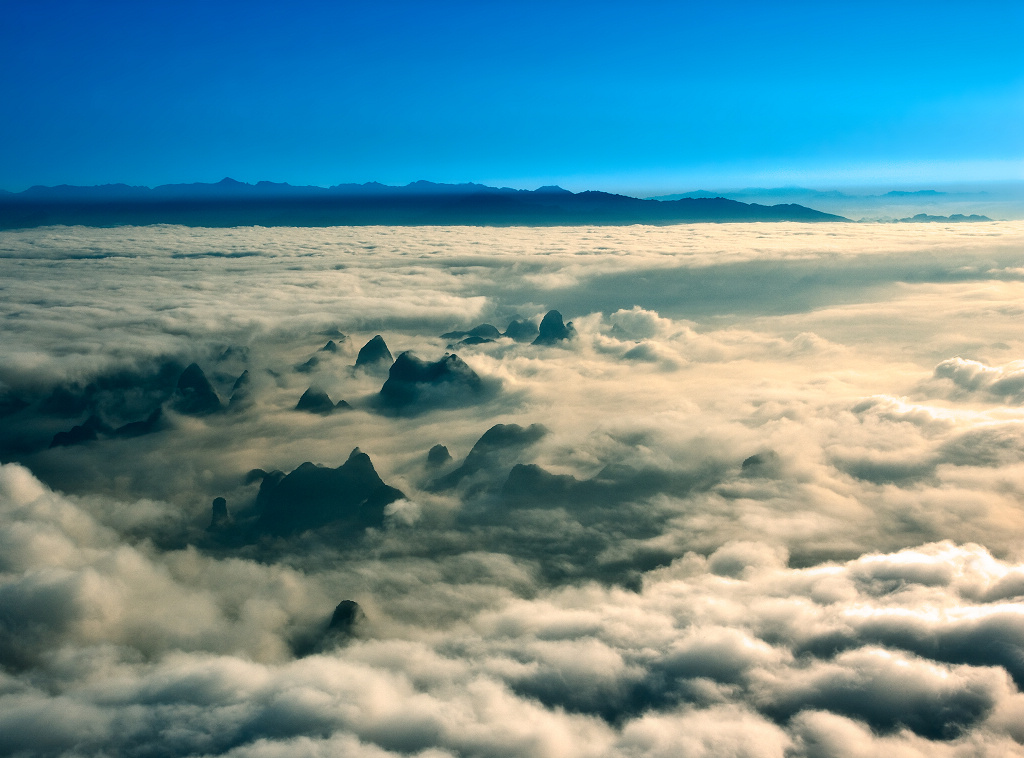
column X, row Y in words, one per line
column 229, row 203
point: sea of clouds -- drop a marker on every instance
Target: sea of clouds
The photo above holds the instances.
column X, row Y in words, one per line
column 767, row 501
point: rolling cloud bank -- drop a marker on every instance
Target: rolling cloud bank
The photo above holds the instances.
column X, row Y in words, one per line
column 744, row 490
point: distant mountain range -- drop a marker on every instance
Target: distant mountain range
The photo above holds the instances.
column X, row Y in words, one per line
column 231, row 203
column 804, row 192
column 1003, row 200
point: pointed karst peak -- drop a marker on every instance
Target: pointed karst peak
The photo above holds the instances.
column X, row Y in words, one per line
column 438, row 456
column 194, row 394
column 553, row 330
column 315, row 400
column 330, row 347
column 241, row 391
column 374, row 352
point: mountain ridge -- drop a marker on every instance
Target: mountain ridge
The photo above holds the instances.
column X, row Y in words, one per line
column 230, row 203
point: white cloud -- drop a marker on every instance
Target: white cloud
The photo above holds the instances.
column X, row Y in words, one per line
column 771, row 516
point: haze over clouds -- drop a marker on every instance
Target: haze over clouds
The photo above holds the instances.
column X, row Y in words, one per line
column 763, row 498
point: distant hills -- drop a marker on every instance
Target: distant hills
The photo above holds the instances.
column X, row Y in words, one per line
column 1004, row 200
column 802, row 192
column 231, row 203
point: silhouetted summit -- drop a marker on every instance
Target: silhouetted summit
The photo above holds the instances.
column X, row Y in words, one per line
column 220, row 518
column 194, row 394
column 351, row 498
column 374, row 352
column 552, row 330
column 347, row 615
column 241, row 391
column 438, row 455
column 414, row 381
column 494, row 453
column 315, row 400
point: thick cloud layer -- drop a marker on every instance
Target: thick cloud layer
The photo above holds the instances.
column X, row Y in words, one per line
column 763, row 499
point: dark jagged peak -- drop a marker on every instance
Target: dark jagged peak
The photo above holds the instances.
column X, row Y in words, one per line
column 241, row 391
column 522, row 330
column 330, row 347
column 88, row 431
column 350, row 498
column 194, row 394
column 494, row 453
column 413, row 381
column 374, row 353
column 315, row 400
column 94, row 428
column 553, row 331
column 219, row 516
column 437, row 456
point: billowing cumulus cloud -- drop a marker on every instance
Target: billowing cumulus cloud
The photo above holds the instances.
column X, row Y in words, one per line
column 763, row 498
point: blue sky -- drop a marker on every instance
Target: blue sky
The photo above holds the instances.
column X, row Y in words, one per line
column 628, row 96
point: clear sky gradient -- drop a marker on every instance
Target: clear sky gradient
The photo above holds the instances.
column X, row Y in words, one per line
column 639, row 97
